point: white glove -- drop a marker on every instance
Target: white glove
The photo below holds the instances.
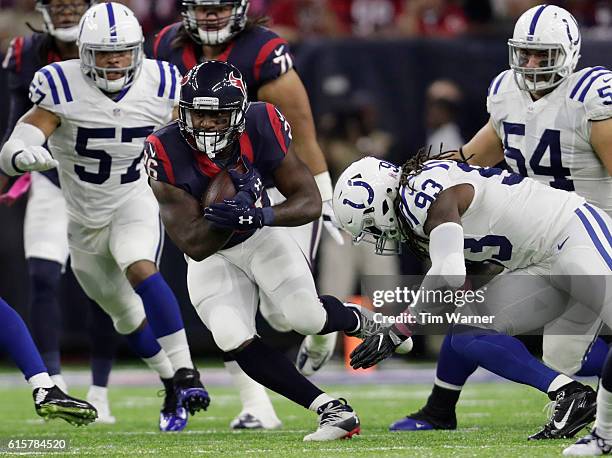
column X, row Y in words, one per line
column 331, row 223
column 34, row 159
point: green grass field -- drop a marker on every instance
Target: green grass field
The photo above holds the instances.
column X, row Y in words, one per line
column 494, row 418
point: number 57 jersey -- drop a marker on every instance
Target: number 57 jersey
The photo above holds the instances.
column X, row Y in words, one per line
column 549, row 139
column 99, row 142
column 512, row 221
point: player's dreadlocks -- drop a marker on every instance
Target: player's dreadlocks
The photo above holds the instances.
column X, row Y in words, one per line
column 411, row 168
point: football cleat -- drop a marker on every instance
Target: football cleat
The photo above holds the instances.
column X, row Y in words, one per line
column 571, row 411
column 367, row 325
column 311, row 357
column 590, row 445
column 423, row 421
column 337, row 420
column 97, row 397
column 172, row 417
column 54, row 403
column 190, row 392
column 248, row 421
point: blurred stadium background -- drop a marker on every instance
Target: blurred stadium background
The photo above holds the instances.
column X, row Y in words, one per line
column 369, row 68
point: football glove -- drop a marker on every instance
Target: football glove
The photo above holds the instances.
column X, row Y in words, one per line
column 233, row 215
column 249, row 184
column 378, row 347
column 331, row 223
column 33, row 159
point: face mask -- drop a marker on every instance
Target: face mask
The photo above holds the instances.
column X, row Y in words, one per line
column 66, row 34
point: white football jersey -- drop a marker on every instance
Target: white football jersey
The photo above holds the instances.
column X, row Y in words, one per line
column 549, row 139
column 100, row 141
column 512, row 221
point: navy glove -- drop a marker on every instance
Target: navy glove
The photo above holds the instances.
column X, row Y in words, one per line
column 235, row 215
column 249, row 184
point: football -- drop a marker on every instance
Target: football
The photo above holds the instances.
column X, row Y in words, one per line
column 221, row 187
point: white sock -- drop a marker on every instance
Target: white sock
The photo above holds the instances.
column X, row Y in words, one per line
column 58, row 380
column 559, row 381
column 603, row 418
column 177, row 349
column 98, row 392
column 254, row 398
column 160, row 364
column 321, row 399
column 41, row 380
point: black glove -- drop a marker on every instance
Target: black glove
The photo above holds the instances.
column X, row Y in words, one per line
column 249, row 184
column 379, row 346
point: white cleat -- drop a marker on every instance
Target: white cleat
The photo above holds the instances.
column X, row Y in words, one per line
column 590, row 445
column 248, row 421
column 98, row 397
column 312, row 356
column 337, row 420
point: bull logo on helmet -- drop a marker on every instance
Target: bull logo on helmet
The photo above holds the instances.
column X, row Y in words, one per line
column 237, row 82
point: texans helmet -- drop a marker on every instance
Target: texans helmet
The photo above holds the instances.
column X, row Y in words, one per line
column 214, row 31
column 213, row 86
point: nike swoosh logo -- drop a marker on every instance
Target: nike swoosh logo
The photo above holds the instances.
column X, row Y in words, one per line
column 419, row 425
column 380, row 340
column 605, row 81
column 560, row 245
column 561, row 424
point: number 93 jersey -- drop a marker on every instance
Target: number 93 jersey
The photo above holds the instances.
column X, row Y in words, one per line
column 549, row 139
column 512, row 221
column 99, row 141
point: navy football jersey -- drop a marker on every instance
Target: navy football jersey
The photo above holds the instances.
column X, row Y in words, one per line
column 23, row 59
column 260, row 55
column 264, row 142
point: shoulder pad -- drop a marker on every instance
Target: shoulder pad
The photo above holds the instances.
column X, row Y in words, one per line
column 592, row 88
column 50, row 87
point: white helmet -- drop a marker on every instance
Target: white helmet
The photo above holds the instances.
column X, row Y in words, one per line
column 363, row 202
column 546, row 28
column 109, row 27
column 66, row 34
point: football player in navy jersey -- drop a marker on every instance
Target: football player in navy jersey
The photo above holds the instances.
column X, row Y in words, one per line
column 219, row 29
column 45, row 226
column 49, row 400
column 235, row 248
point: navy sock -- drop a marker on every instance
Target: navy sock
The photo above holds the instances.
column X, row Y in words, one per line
column 160, row 304
column 45, row 311
column 606, row 373
column 103, row 344
column 143, row 342
column 17, row 342
column 273, row 370
column 339, row 317
column 594, row 361
column 503, row 355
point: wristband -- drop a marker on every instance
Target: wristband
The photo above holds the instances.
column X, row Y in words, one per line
column 324, row 183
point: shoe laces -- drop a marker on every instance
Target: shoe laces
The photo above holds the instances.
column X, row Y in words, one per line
column 333, row 411
column 170, row 400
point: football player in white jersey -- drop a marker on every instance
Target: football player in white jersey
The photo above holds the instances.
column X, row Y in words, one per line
column 553, row 124
column 95, row 113
column 453, row 213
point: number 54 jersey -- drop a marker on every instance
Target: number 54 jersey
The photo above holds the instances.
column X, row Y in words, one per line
column 549, row 139
column 99, row 142
column 512, row 221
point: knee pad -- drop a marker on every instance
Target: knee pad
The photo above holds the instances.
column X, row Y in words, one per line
column 128, row 320
column 228, row 329
column 304, row 312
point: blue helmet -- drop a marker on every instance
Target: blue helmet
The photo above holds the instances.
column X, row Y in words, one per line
column 213, row 86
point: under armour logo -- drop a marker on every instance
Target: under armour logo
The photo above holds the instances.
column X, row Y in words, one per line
column 257, row 185
column 245, row 220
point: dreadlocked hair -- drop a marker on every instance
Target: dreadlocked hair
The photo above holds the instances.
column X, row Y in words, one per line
column 411, row 168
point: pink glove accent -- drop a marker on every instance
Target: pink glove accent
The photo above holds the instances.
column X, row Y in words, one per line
column 19, row 188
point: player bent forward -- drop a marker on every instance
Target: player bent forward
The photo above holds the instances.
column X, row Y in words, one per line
column 233, row 250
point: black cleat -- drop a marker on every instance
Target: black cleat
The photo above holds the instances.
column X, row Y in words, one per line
column 573, row 409
column 190, row 391
column 172, row 416
column 424, row 421
column 54, row 403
